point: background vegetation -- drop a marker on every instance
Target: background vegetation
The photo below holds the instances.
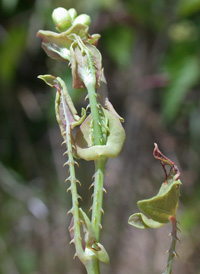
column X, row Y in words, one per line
column 150, row 52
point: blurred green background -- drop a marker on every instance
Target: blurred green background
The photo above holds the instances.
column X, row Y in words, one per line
column 151, row 56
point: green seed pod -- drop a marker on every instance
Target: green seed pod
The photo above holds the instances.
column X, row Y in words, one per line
column 83, row 19
column 61, row 19
column 72, row 13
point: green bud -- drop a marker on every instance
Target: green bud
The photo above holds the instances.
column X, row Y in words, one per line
column 72, row 13
column 61, row 19
column 83, row 19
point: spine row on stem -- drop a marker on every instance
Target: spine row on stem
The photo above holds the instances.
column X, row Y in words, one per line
column 99, row 134
column 97, row 209
column 73, row 188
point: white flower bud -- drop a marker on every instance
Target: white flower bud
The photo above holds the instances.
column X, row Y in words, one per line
column 61, row 19
column 72, row 13
column 82, row 19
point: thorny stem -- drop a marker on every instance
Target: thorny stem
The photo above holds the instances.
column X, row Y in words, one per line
column 98, row 138
column 98, row 195
column 73, row 188
column 90, row 82
column 172, row 252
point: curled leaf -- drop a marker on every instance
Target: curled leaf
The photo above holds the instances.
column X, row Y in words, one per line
column 166, row 161
column 56, row 45
column 88, row 229
column 65, row 110
column 101, row 253
column 114, row 143
column 139, row 220
column 110, row 107
column 92, row 248
column 86, row 64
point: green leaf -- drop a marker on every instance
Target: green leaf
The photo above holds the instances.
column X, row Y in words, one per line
column 64, row 104
column 56, row 45
column 88, row 229
column 86, row 64
column 110, row 108
column 92, row 248
column 161, row 207
column 139, row 220
column 101, row 253
column 115, row 139
column 80, row 30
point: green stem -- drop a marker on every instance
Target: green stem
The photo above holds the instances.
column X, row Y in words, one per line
column 98, row 137
column 92, row 266
column 172, row 252
column 89, row 78
column 73, row 188
column 98, row 195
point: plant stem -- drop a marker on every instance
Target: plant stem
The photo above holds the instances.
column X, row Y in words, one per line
column 92, row 266
column 98, row 138
column 97, row 135
column 172, row 252
column 72, row 178
column 98, row 195
column 89, row 79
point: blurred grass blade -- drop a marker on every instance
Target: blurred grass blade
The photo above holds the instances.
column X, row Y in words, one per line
column 184, row 79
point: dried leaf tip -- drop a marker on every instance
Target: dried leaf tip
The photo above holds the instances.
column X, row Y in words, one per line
column 166, row 161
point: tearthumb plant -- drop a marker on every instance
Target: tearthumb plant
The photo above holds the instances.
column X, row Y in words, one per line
column 100, row 135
